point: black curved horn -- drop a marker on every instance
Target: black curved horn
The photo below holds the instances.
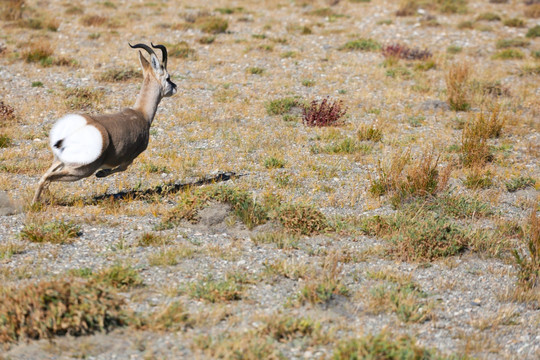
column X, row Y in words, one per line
column 164, row 51
column 142, row 46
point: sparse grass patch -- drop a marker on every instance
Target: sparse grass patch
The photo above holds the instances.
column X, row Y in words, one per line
column 119, row 74
column 519, row 183
column 118, row 276
column 5, row 141
column 54, row 232
column 419, row 235
column 173, row 317
column 488, row 16
column 180, row 50
column 207, row 40
column 212, row 290
column 457, row 86
column 289, row 269
column 507, row 54
column 286, row 328
column 152, row 239
column 8, row 249
column 171, row 256
column 369, row 133
column 281, row 106
column 514, row 22
column 58, row 307
column 324, row 285
column 345, row 146
column 529, row 264
column 83, row 98
column 282, row 240
column 361, row 45
column 255, row 70
column 533, row 32
column 512, row 42
column 212, row 24
column 405, row 299
column 382, row 346
column 478, row 178
column 303, row 219
column 39, row 52
column 250, row 212
column 274, row 163
column 247, row 345
column 323, row 113
column 454, row 49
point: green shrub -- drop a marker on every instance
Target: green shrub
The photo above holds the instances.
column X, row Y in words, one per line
column 281, row 106
column 518, row 183
column 362, row 45
column 533, row 32
column 507, row 54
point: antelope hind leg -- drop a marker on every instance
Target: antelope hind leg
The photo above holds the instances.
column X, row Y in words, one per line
column 45, row 181
column 106, row 172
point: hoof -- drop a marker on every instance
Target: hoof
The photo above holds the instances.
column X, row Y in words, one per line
column 102, row 173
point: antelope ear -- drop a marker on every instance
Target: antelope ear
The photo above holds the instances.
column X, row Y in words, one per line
column 144, row 63
column 155, row 64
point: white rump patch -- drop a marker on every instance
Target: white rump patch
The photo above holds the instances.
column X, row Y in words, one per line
column 73, row 141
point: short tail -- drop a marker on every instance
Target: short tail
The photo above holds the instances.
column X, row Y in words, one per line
column 74, row 141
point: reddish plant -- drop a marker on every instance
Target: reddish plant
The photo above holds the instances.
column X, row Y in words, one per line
column 323, row 113
column 402, row 51
column 6, row 111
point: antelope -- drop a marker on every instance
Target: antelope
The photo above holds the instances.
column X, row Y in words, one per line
column 106, row 144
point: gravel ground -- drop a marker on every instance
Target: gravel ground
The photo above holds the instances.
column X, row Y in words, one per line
column 217, row 123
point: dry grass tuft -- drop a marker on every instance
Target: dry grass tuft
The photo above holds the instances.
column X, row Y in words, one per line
column 119, row 74
column 58, row 307
column 532, row 11
column 303, row 219
column 403, row 178
column 83, row 98
column 529, row 265
column 324, row 285
column 93, row 20
column 475, row 152
column 457, row 86
column 41, row 52
column 212, row 24
column 11, row 9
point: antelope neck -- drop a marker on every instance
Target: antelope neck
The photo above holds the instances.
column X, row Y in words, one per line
column 148, row 99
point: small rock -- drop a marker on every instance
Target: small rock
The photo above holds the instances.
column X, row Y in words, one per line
column 6, row 206
column 476, row 302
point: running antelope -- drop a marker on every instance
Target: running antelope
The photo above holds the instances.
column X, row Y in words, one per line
column 84, row 144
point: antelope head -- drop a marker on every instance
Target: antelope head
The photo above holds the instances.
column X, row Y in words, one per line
column 156, row 70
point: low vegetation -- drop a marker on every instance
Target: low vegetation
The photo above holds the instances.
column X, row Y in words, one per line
column 54, row 232
column 58, row 307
